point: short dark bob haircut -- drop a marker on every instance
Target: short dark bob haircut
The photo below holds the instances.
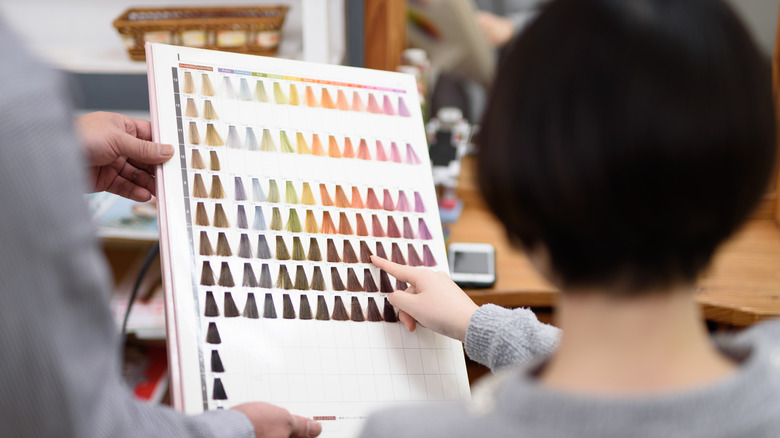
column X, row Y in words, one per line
column 628, row 138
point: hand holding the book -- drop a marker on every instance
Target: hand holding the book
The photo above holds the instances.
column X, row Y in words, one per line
column 432, row 299
column 121, row 154
column 274, row 422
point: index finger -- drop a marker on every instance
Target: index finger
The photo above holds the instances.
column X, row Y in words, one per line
column 406, row 274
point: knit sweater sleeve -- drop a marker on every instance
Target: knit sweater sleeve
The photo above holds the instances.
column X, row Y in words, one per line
column 500, row 338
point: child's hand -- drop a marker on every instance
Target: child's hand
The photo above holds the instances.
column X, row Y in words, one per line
column 432, row 299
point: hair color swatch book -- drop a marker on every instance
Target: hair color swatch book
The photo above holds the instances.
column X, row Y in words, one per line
column 289, row 176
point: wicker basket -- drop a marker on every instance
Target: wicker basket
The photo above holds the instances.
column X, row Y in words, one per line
column 256, row 30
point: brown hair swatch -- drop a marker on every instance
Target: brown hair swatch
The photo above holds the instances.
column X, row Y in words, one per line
column 372, row 201
column 269, row 311
column 304, row 309
column 348, row 255
column 211, row 305
column 283, row 279
column 365, row 252
column 397, row 256
column 335, row 279
column 353, row 284
column 249, row 276
column 376, row 227
column 301, row 282
column 314, row 254
column 360, row 225
column 339, row 311
column 369, row 285
column 380, row 250
column 223, row 248
column 325, row 198
column 322, row 309
column 372, row 312
column 344, row 226
column 231, row 311
column 244, row 247
column 201, row 218
column 212, row 334
column 225, row 277
column 332, row 255
column 216, row 363
column 389, row 312
column 265, row 277
column 196, row 161
column 220, row 218
column 207, row 275
column 250, row 308
column 384, row 282
column 413, row 257
column 214, row 161
column 219, row 391
column 205, row 245
column 357, row 310
column 392, row 228
column 217, row 191
column 400, row 285
column 288, row 311
column 297, row 252
column 317, row 279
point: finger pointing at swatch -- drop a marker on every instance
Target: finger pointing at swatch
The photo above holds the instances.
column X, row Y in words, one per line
column 433, row 299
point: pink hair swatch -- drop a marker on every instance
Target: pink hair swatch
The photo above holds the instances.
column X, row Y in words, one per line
column 395, row 153
column 411, row 156
column 423, row 231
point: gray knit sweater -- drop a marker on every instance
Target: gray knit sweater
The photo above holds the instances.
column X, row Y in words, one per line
column 513, row 403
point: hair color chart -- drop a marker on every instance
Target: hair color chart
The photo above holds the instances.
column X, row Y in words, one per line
column 288, row 176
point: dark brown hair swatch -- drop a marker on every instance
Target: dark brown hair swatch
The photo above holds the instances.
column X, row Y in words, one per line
column 225, row 277
column 244, row 247
column 231, row 311
column 283, row 280
column 288, row 312
column 281, row 249
column 327, row 224
column 314, row 250
column 380, row 250
column 240, row 194
column 384, row 282
column 353, row 284
column 344, row 225
column 201, row 218
column 297, row 252
column 241, row 221
column 207, row 275
column 332, row 254
column 269, row 311
column 339, row 311
column 317, row 279
column 196, row 162
column 360, row 225
column 211, row 305
column 348, row 255
column 408, row 230
column 220, row 219
column 250, row 308
column 365, row 252
column 205, row 245
column 214, row 161
column 198, row 187
column 217, row 191
column 265, row 277
column 400, row 285
column 369, row 285
column 376, row 227
column 392, row 228
column 372, row 312
column 357, row 310
column 219, row 391
column 322, row 309
column 223, row 247
column 263, row 251
column 389, row 312
column 413, row 257
column 216, row 363
column 249, row 276
column 335, row 279
column 397, row 256
column 304, row 309
column 301, row 282
column 212, row 334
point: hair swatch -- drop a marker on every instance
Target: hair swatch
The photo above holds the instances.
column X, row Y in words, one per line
column 225, row 277
column 341, row 198
column 335, row 279
column 327, row 101
column 209, row 113
column 373, row 105
column 369, row 285
column 387, row 200
column 285, row 143
column 297, row 252
column 397, row 256
column 332, row 255
column 211, row 305
column 294, row 99
column 267, row 143
column 269, row 310
column 281, row 249
column 276, row 219
column 389, row 312
column 322, row 309
column 260, row 93
column 216, row 363
column 258, row 195
column 344, row 226
column 363, row 152
column 273, row 191
column 265, row 277
column 341, row 101
column 196, row 161
column 293, row 223
column 311, row 223
column 288, row 312
column 316, row 146
column 241, row 221
column 243, row 90
column 227, row 87
column 314, row 254
column 198, row 187
column 365, row 252
column 291, row 197
column 219, row 391
column 339, row 311
column 353, row 284
column 408, row 230
column 223, row 248
column 307, row 197
column 250, row 140
column 217, row 191
column 207, row 275
column 357, row 102
column 428, row 259
column 304, row 309
column 372, row 312
column 372, row 201
column 301, row 282
column 249, row 276
column 311, row 100
column 250, row 308
column 348, row 255
column 303, row 148
column 317, row 279
column 376, row 227
column 349, row 151
column 333, row 147
column 259, row 222
column 327, row 224
column 283, row 279
column 413, row 257
column 263, row 251
column 360, row 225
column 220, row 219
column 422, row 230
column 403, row 111
column 411, row 156
column 380, row 152
column 212, row 334
column 240, row 192
column 190, row 109
column 392, row 228
column 357, row 310
column 205, row 245
column 387, row 106
column 201, row 217
column 384, row 282
column 206, row 89
column 400, row 285
column 214, row 161
column 244, row 247
column 189, row 84
column 212, row 136
column 231, row 311
column 279, row 96
column 325, row 198
column 380, row 251
column 395, row 153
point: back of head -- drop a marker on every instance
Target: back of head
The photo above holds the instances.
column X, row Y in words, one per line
column 628, row 138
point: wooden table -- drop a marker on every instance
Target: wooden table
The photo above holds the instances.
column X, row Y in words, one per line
column 741, row 287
